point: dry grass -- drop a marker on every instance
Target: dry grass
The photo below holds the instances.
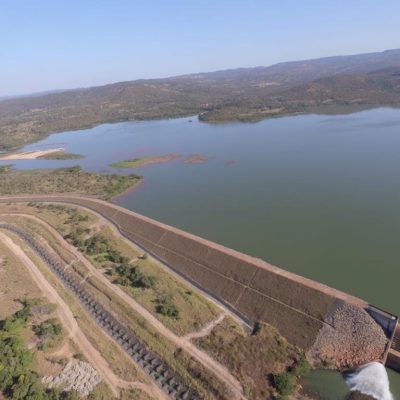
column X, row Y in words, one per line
column 15, row 283
column 133, row 394
column 251, row 358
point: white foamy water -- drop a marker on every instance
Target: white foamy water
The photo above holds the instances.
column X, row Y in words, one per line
column 371, row 379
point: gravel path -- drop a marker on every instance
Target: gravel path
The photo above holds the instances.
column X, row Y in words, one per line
column 206, row 330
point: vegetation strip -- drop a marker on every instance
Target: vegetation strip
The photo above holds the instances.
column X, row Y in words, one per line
column 137, row 350
column 64, row 180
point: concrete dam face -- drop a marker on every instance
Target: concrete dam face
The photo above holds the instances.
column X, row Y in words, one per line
column 332, row 326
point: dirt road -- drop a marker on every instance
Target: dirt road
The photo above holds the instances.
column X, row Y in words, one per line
column 75, row 333
column 206, row 330
column 216, row 368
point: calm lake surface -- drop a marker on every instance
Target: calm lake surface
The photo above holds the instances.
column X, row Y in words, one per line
column 317, row 195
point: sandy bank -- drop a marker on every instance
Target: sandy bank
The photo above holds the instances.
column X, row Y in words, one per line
column 30, row 155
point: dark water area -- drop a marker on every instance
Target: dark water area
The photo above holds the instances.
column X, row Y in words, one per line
column 317, row 195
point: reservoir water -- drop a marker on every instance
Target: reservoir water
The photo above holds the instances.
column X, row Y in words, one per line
column 317, row 195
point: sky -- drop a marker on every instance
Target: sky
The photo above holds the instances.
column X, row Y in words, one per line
column 54, row 44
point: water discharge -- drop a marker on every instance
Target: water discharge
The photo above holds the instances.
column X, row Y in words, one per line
column 371, row 379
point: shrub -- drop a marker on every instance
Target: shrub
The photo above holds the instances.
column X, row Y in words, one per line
column 96, row 244
column 18, row 320
column 80, row 357
column 166, row 307
column 168, row 310
column 285, row 383
column 133, row 276
column 17, row 380
column 256, row 329
column 48, row 328
column 302, row 368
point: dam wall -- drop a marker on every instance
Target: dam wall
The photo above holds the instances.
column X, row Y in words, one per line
column 248, row 286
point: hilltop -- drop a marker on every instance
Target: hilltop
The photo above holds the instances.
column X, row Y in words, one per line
column 244, row 94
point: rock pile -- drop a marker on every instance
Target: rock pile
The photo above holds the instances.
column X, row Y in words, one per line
column 359, row 396
column 79, row 376
column 349, row 338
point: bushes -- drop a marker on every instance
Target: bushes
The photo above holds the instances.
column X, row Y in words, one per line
column 99, row 246
column 48, row 331
column 17, row 380
column 133, row 276
column 19, row 319
column 96, row 244
column 286, row 382
column 166, row 307
column 302, row 368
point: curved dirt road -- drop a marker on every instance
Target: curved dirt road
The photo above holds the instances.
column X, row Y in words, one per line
column 206, row 330
column 184, row 342
column 75, row 333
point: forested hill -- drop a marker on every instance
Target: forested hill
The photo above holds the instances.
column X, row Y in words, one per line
column 244, row 94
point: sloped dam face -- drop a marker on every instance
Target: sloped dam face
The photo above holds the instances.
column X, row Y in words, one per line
column 332, row 326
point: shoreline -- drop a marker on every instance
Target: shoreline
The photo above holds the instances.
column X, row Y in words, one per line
column 345, row 110
column 135, row 186
column 30, row 155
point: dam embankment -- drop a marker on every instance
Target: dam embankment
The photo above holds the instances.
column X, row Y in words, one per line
column 256, row 291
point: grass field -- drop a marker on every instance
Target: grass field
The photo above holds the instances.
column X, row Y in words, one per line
column 15, row 284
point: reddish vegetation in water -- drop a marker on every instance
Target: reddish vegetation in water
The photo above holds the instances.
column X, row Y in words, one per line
column 195, row 159
column 158, row 159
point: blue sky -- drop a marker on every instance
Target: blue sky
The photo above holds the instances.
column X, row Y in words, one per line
column 53, row 44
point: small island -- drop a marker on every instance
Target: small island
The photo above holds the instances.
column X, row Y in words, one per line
column 60, row 155
column 142, row 161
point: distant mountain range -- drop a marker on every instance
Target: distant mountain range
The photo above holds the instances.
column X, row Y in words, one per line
column 322, row 85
